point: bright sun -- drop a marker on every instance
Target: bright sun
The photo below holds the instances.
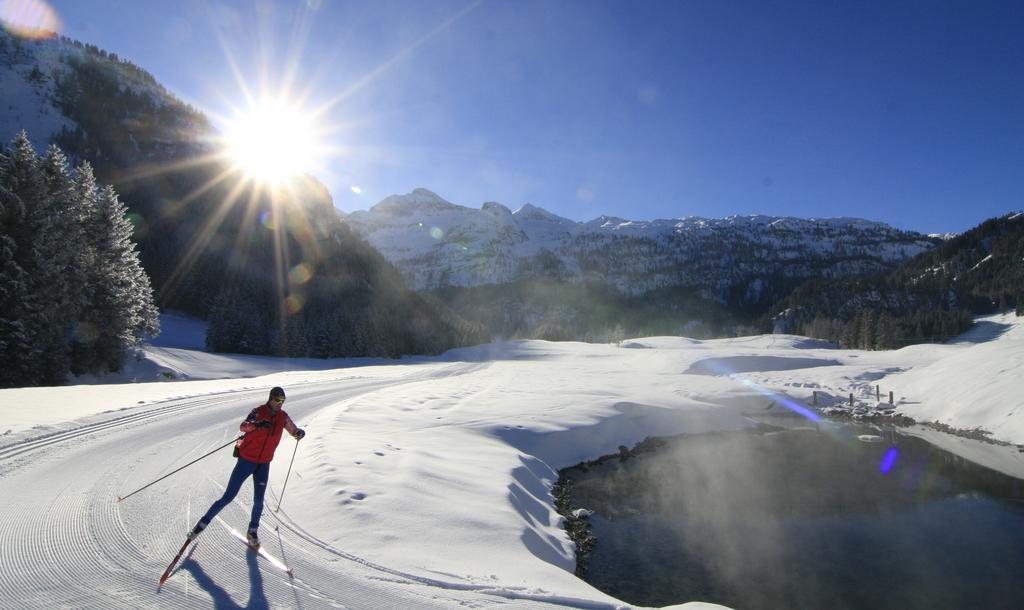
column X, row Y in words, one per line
column 272, row 142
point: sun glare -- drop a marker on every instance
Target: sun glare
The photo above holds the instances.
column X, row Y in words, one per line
column 272, row 142
column 29, row 18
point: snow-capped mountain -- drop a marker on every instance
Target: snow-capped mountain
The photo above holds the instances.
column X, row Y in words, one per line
column 435, row 243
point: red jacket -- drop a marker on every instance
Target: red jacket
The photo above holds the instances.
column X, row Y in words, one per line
column 259, row 443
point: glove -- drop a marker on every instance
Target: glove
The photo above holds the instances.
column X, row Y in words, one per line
column 264, row 424
column 300, row 434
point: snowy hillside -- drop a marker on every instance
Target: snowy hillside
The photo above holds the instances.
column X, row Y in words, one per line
column 422, row 483
column 436, row 243
column 46, row 82
column 27, row 70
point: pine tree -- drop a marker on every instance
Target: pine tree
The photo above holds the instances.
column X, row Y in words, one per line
column 14, row 340
column 223, row 330
column 22, row 178
column 319, row 338
column 885, row 332
column 239, row 321
column 295, row 344
column 83, row 356
column 62, row 272
column 73, row 292
column 124, row 301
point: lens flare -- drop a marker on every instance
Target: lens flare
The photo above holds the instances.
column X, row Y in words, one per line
column 294, row 303
column 300, row 274
column 268, row 220
column 889, row 460
column 138, row 222
column 86, row 332
column 783, row 400
column 29, row 18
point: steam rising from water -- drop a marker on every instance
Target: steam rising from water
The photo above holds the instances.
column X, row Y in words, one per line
column 801, row 519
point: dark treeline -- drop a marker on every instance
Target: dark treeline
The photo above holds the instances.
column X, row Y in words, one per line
column 981, row 267
column 73, row 295
column 301, row 283
column 931, row 297
column 554, row 309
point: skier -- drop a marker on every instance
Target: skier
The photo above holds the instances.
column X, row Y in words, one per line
column 262, row 430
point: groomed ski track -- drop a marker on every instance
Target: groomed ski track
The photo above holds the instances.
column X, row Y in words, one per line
column 67, row 542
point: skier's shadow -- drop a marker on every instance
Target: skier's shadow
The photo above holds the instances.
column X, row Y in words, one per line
column 221, row 598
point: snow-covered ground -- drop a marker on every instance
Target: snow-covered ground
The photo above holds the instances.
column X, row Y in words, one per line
column 423, row 482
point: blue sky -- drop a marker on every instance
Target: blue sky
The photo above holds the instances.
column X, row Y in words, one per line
column 911, row 113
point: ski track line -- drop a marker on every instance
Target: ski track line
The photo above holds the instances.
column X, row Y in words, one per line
column 68, row 545
column 20, row 556
column 32, row 444
column 173, row 406
column 65, row 554
column 75, row 553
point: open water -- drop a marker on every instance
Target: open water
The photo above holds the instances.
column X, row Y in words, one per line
column 841, row 517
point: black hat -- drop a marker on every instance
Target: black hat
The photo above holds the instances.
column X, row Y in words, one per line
column 275, row 392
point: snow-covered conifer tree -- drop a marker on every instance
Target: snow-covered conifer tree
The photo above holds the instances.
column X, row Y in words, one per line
column 60, row 277
column 14, row 339
column 124, row 298
column 35, row 309
column 83, row 357
column 73, row 292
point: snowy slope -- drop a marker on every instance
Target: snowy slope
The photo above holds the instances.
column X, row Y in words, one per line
column 32, row 100
column 966, row 386
column 435, row 243
column 423, row 483
column 29, row 100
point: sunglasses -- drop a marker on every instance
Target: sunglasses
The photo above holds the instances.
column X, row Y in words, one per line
column 277, row 400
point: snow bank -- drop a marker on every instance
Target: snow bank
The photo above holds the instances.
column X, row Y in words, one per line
column 977, row 381
column 441, row 472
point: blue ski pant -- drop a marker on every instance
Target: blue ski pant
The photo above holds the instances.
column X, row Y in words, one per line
column 243, row 470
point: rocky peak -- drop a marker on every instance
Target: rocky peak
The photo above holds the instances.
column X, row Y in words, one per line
column 531, row 212
column 419, row 200
column 462, row 246
column 496, row 209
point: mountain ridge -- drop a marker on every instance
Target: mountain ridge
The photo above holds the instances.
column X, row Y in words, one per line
column 436, row 244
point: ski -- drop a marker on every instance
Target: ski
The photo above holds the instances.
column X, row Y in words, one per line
column 274, row 561
column 174, row 562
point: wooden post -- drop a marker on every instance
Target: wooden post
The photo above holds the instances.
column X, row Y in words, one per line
column 814, row 397
column 878, row 394
column 890, row 397
column 851, row 399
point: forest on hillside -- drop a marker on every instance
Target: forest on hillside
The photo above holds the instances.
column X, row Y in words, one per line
column 73, row 296
column 932, row 297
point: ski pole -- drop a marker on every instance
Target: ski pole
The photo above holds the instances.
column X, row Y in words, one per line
column 234, row 440
column 285, row 486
